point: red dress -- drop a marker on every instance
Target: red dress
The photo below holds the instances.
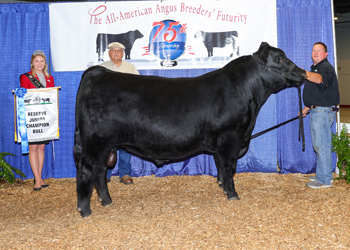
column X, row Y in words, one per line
column 26, row 83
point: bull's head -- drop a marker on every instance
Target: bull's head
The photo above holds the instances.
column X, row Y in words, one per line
column 275, row 60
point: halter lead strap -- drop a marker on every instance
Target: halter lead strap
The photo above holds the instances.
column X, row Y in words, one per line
column 301, row 123
column 284, row 75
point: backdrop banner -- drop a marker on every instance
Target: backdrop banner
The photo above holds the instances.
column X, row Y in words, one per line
column 41, row 114
column 160, row 34
column 300, row 24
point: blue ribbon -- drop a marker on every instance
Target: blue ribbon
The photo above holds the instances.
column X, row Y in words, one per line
column 21, row 118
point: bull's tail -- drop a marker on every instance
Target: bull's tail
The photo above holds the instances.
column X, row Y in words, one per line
column 77, row 149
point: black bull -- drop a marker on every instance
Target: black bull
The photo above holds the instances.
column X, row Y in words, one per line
column 168, row 119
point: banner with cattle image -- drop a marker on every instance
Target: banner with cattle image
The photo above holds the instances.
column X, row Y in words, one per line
column 160, row 34
column 41, row 115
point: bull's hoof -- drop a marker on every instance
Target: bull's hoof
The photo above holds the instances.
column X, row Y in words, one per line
column 106, row 203
column 101, row 199
column 84, row 214
column 231, row 198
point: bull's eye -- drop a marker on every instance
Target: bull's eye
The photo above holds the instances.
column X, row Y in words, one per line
column 278, row 60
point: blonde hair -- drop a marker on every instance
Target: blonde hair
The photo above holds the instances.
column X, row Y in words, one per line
column 32, row 66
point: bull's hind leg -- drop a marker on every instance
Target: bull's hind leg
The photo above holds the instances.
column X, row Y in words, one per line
column 219, row 178
column 85, row 182
column 101, row 187
column 210, row 51
column 228, row 169
column 229, row 185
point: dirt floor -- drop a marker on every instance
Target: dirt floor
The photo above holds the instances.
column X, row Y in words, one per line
column 179, row 212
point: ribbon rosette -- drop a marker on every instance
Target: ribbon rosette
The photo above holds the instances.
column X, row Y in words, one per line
column 21, row 118
column 20, row 92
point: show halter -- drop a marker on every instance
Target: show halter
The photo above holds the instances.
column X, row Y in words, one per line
column 272, row 70
column 301, row 123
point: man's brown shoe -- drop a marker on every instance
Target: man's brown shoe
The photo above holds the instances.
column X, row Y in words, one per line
column 126, row 179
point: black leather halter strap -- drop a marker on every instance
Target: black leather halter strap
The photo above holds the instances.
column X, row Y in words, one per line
column 284, row 75
column 301, row 123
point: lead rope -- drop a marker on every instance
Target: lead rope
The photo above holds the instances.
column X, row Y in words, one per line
column 301, row 122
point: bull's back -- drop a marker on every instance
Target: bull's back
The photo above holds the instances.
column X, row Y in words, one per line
column 102, row 90
column 158, row 104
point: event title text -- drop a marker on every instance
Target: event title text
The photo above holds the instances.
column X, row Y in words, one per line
column 100, row 16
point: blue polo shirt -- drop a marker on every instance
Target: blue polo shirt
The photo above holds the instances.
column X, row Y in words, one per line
column 325, row 94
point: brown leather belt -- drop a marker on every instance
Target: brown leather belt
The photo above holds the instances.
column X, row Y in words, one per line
column 335, row 109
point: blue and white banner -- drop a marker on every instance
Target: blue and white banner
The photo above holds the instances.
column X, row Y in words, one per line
column 173, row 34
column 41, row 114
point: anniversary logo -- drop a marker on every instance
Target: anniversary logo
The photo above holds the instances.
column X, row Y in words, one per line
column 167, row 41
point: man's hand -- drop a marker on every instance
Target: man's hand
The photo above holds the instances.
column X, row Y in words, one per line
column 305, row 111
column 313, row 77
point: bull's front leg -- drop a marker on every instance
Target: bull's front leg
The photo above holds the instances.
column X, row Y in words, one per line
column 101, row 186
column 127, row 54
column 85, row 183
column 100, row 55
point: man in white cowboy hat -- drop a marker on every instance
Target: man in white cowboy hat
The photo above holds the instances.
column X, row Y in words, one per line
column 116, row 53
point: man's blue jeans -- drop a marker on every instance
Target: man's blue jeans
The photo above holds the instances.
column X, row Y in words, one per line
column 321, row 120
column 124, row 165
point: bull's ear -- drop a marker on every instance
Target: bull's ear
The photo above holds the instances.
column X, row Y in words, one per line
column 264, row 45
column 261, row 55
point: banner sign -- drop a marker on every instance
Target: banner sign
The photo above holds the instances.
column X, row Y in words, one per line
column 41, row 114
column 157, row 34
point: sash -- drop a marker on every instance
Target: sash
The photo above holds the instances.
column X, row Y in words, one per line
column 35, row 81
column 21, row 117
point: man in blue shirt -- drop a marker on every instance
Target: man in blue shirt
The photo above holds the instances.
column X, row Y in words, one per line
column 321, row 95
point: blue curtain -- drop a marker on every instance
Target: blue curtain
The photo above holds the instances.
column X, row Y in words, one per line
column 301, row 23
column 25, row 28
